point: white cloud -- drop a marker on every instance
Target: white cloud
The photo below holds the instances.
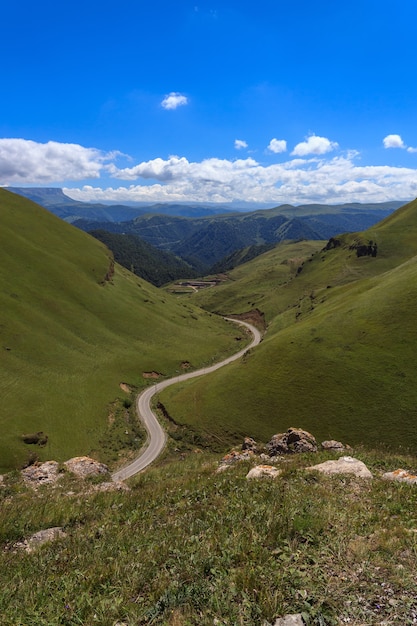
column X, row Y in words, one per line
column 297, row 181
column 393, row 141
column 240, row 143
column 174, row 100
column 277, row 145
column 314, row 145
column 25, row 161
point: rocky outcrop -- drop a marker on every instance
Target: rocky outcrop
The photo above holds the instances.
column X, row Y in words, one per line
column 41, row 474
column 402, row 476
column 84, row 466
column 263, row 471
column 344, row 465
column 295, row 440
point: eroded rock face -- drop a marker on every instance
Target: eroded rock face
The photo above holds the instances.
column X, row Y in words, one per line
column 41, row 474
column 263, row 471
column 83, row 466
column 344, row 465
column 295, row 440
column 401, row 475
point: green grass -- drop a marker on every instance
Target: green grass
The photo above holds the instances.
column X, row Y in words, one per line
column 338, row 357
column 188, row 546
column 68, row 337
column 256, row 284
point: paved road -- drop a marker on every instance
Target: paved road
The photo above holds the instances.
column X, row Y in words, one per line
column 156, row 434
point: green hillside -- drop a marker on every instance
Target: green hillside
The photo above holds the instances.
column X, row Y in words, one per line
column 138, row 256
column 339, row 355
column 73, row 327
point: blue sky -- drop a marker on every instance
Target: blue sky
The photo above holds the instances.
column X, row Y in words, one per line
column 268, row 101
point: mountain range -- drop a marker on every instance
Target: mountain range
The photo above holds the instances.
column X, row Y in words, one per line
column 205, row 237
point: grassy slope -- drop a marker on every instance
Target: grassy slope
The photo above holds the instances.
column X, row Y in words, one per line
column 68, row 338
column 340, row 362
column 256, row 283
column 187, row 546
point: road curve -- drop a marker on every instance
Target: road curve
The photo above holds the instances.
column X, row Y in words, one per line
column 156, row 434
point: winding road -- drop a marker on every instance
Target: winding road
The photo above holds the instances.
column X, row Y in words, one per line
column 156, row 434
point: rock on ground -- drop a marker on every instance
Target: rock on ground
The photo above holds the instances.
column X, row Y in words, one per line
column 39, row 538
column 250, row 444
column 115, row 485
column 401, row 475
column 41, row 474
column 295, row 440
column 83, row 466
column 334, row 446
column 344, row 465
column 263, row 471
column 290, row 620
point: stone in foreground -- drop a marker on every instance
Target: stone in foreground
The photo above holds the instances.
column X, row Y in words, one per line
column 402, row 476
column 290, row 620
column 344, row 465
column 334, row 446
column 295, row 440
column 263, row 471
column 41, row 474
column 83, row 466
column 39, row 538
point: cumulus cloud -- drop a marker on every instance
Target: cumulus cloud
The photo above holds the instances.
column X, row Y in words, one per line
column 297, row 181
column 315, row 178
column 25, row 161
column 393, row 141
column 314, row 145
column 174, row 100
column 240, row 143
column 277, row 145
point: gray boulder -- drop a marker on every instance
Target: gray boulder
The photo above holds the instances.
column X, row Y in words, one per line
column 41, row 474
column 83, row 466
column 39, row 538
column 334, row 446
column 294, row 619
column 344, row 465
column 263, row 471
column 294, row 441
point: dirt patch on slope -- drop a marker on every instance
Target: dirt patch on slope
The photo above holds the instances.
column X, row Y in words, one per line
column 255, row 317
